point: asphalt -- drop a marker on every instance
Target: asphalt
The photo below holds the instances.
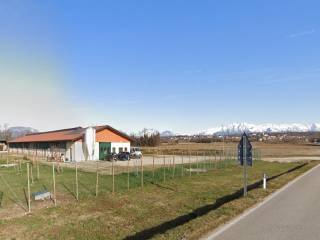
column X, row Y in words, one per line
column 292, row 214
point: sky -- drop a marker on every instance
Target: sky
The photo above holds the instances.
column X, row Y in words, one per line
column 176, row 65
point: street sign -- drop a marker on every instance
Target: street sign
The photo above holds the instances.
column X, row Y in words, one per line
column 245, row 151
column 245, row 158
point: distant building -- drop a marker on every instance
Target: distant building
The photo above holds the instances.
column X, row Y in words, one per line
column 3, row 145
column 70, row 143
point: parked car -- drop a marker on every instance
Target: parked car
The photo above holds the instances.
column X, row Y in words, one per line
column 111, row 157
column 123, row 156
column 135, row 152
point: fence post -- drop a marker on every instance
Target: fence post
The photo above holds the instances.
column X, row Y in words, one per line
column 189, row 164
column 164, row 168
column 38, row 170
column 141, row 173
column 54, row 185
column 31, row 172
column 128, row 175
column 97, row 179
column 153, row 168
column 77, row 187
column 197, row 159
column 29, row 199
column 112, row 176
column 182, row 165
column 174, row 166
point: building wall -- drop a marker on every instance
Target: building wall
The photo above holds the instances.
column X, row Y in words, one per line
column 118, row 145
column 108, row 136
column 76, row 151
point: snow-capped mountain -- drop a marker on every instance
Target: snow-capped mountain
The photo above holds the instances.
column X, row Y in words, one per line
column 167, row 133
column 238, row 128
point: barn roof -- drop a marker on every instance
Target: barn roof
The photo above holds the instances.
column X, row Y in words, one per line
column 69, row 134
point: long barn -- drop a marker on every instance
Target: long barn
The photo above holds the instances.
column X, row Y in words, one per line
column 69, row 144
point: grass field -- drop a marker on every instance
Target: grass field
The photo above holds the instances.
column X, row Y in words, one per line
column 181, row 208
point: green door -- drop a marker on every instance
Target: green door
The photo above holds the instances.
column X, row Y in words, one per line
column 104, row 150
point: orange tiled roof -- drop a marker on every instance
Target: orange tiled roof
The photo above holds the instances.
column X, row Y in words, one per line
column 70, row 134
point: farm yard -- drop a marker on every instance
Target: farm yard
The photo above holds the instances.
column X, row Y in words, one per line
column 169, row 195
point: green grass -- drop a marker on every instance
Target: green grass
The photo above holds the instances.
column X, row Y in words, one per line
column 115, row 216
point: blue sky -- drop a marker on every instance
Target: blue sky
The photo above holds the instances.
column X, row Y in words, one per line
column 178, row 65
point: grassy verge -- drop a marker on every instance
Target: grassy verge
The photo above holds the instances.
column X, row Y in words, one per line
column 127, row 213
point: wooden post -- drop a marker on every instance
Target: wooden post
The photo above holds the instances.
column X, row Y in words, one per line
column 189, row 164
column 128, row 171
column 174, row 165
column 38, row 170
column 197, row 159
column 97, row 179
column 29, row 198
column 54, row 185
column 112, row 170
column 182, row 165
column 31, row 173
column 164, row 168
column 153, row 168
column 77, row 186
column 141, row 173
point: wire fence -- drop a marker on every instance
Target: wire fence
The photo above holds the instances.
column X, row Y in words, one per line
column 21, row 178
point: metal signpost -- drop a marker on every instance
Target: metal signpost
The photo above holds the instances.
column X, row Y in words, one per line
column 245, row 158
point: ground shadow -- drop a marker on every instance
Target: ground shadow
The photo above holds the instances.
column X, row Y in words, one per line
column 163, row 227
column 69, row 190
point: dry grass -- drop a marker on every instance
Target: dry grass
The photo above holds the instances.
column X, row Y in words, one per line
column 126, row 213
column 267, row 150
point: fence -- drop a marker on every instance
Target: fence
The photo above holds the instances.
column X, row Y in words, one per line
column 78, row 181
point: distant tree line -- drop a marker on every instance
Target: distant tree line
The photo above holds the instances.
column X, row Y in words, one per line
column 4, row 132
column 146, row 139
column 8, row 133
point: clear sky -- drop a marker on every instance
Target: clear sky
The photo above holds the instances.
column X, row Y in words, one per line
column 181, row 65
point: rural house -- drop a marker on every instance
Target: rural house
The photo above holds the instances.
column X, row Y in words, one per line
column 73, row 144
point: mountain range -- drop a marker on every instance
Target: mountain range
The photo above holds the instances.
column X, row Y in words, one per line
column 238, row 128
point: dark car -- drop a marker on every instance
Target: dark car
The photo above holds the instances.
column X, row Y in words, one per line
column 124, row 156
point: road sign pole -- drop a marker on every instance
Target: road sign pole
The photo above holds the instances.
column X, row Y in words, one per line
column 245, row 168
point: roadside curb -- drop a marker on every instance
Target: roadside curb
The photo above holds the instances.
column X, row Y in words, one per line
column 226, row 226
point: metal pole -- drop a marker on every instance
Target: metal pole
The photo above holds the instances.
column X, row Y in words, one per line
column 244, row 167
column 29, row 199
column 54, row 185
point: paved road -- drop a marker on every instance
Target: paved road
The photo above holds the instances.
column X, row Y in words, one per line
column 293, row 214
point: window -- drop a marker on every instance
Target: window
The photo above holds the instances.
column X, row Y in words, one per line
column 126, row 149
column 113, row 150
column 120, row 149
